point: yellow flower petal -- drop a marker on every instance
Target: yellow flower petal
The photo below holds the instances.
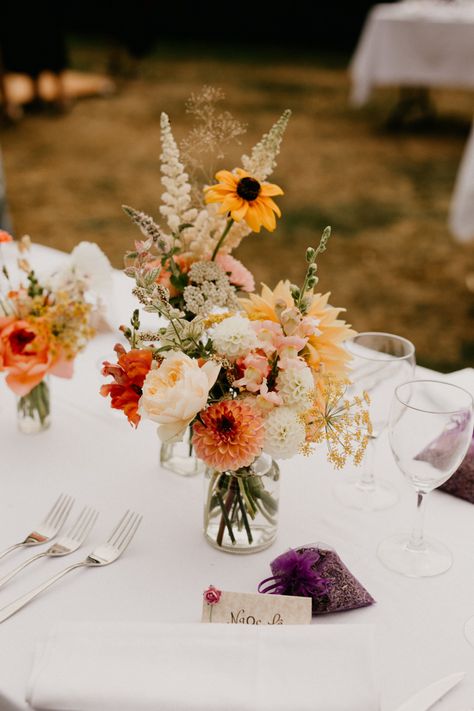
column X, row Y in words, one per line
column 269, row 190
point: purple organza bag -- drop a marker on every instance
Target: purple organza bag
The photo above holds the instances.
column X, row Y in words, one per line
column 438, row 453
column 316, row 571
column 461, row 484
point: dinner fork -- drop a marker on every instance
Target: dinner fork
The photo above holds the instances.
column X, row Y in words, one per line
column 65, row 545
column 105, row 554
column 46, row 530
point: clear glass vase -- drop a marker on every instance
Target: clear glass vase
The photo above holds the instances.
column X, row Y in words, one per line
column 179, row 457
column 241, row 507
column 34, row 409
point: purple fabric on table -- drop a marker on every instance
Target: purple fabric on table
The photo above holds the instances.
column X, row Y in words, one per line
column 316, row 571
column 461, row 484
column 438, row 453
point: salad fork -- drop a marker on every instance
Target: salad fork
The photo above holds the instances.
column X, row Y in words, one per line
column 48, row 528
column 65, row 545
column 105, row 554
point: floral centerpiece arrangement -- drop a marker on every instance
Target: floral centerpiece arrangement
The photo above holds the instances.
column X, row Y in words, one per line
column 44, row 324
column 254, row 376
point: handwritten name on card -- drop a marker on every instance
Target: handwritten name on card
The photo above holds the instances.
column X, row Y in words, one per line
column 235, row 608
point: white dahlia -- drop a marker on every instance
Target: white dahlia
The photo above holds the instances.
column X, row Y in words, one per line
column 234, row 337
column 295, row 386
column 284, row 433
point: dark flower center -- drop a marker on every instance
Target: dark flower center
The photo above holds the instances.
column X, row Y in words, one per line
column 20, row 339
column 248, row 189
column 226, row 424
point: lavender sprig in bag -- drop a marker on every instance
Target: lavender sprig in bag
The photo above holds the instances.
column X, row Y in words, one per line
column 316, row 571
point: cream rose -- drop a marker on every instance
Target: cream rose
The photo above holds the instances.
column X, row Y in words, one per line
column 175, row 392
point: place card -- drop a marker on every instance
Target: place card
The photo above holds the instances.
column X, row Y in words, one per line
column 237, row 608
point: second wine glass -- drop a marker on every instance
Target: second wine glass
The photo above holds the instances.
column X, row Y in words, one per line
column 380, row 362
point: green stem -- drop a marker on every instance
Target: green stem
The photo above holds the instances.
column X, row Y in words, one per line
column 244, row 516
column 225, row 521
column 229, row 224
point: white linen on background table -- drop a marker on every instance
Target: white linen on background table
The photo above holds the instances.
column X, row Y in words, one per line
column 414, row 44
column 204, row 667
column 461, row 216
column 92, row 453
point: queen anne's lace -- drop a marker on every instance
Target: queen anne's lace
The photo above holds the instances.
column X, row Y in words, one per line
column 208, row 287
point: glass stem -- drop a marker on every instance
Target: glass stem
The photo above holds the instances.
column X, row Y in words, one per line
column 416, row 541
column 367, row 478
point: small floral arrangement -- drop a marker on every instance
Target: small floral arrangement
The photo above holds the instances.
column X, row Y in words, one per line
column 44, row 324
column 247, row 372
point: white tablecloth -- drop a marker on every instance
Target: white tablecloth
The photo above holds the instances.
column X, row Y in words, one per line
column 92, row 453
column 417, row 43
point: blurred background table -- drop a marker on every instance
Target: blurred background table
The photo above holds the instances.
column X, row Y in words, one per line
column 416, row 43
column 93, row 454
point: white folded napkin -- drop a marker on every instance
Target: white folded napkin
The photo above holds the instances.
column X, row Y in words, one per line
column 204, row 667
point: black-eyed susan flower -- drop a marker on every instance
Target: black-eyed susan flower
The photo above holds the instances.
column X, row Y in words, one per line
column 243, row 197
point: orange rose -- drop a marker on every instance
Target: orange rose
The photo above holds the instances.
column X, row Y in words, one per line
column 24, row 353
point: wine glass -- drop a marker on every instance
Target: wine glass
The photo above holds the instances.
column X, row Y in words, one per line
column 430, row 430
column 380, row 362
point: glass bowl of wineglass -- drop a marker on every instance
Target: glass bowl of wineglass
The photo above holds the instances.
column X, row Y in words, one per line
column 430, row 429
column 380, row 362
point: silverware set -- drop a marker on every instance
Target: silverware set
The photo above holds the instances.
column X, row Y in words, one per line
column 49, row 528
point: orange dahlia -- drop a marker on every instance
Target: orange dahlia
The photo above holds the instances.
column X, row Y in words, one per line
column 129, row 374
column 245, row 198
column 229, row 436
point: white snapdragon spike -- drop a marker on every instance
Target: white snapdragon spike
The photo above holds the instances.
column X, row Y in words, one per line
column 284, row 433
column 262, row 161
column 201, row 238
column 295, row 386
column 234, row 337
column 176, row 198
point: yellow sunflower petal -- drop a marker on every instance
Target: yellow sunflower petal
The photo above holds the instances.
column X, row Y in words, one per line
column 239, row 213
column 272, row 205
column 266, row 216
column 225, row 176
column 252, row 219
column 269, row 190
column 232, row 202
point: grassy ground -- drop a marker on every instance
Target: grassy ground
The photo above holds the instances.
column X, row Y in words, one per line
column 392, row 261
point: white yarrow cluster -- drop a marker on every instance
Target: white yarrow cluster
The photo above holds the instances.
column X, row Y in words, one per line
column 234, row 337
column 284, row 433
column 295, row 386
column 262, row 161
column 176, row 198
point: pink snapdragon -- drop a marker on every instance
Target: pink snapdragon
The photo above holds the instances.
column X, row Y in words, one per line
column 255, row 370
